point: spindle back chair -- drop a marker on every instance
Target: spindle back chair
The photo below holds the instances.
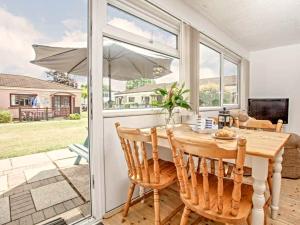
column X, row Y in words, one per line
column 212, row 196
column 145, row 170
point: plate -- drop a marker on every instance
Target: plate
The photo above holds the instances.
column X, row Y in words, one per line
column 224, row 138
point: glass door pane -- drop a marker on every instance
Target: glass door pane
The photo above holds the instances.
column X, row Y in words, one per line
column 44, row 164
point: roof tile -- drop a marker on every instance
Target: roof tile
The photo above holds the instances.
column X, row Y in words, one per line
column 21, row 81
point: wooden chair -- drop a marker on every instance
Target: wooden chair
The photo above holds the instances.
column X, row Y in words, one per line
column 149, row 173
column 265, row 125
column 214, row 197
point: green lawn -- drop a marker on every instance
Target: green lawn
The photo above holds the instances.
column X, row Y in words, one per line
column 17, row 139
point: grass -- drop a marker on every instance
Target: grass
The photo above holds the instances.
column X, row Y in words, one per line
column 17, row 139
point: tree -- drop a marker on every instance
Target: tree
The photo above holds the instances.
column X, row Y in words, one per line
column 209, row 95
column 84, row 92
column 62, row 78
column 140, row 82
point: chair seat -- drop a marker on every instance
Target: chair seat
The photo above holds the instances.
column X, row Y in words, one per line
column 167, row 175
column 212, row 213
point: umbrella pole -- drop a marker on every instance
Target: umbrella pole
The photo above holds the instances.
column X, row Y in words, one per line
column 109, row 85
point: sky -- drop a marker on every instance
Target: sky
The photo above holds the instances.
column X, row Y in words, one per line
column 63, row 23
column 27, row 22
column 210, row 64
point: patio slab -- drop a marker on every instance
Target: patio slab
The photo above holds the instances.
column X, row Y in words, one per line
column 52, row 194
column 61, row 154
column 5, row 164
column 67, row 163
column 40, row 173
column 30, row 160
column 16, row 179
column 5, row 211
column 79, row 177
column 3, row 184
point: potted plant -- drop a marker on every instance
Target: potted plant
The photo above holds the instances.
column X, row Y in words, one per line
column 171, row 99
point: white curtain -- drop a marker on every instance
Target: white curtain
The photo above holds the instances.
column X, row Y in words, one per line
column 190, row 62
column 245, row 77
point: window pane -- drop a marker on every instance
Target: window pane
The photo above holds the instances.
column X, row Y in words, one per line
column 210, row 88
column 132, row 73
column 22, row 100
column 123, row 20
column 230, row 83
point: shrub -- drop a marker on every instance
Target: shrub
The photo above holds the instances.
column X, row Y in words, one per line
column 74, row 116
column 5, row 117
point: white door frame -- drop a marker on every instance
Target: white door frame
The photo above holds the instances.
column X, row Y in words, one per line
column 96, row 22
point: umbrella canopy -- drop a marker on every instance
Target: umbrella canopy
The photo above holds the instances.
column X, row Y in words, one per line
column 66, row 60
column 121, row 61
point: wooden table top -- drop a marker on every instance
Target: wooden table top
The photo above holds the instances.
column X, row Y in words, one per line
column 259, row 143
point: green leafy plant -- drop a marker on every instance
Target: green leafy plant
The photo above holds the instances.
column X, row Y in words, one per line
column 172, row 98
column 75, row 116
column 5, row 117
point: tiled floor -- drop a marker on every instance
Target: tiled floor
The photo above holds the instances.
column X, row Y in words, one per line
column 35, row 189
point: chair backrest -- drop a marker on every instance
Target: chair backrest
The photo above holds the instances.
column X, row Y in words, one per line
column 261, row 125
column 207, row 149
column 133, row 143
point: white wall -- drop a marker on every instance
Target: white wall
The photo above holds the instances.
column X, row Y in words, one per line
column 275, row 73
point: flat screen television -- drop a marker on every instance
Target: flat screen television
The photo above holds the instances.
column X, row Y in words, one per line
column 271, row 109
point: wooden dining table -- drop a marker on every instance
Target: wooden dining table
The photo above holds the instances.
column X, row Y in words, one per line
column 261, row 146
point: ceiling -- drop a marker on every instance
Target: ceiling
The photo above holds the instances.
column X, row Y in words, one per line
column 255, row 24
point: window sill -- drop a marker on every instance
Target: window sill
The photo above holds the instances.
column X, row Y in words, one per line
column 219, row 108
column 131, row 112
column 17, row 106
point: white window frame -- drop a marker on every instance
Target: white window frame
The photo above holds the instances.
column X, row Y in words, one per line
column 229, row 56
column 152, row 14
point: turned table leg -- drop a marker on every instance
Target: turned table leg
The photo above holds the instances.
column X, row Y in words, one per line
column 276, row 184
column 259, row 174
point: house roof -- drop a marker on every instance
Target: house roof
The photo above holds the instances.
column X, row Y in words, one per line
column 21, row 81
column 146, row 88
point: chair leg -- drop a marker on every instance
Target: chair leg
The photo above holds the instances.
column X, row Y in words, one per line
column 77, row 161
column 129, row 196
column 270, row 175
column 266, row 213
column 269, row 180
column 249, row 219
column 156, row 207
column 185, row 216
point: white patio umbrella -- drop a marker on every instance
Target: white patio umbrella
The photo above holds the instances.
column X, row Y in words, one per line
column 121, row 61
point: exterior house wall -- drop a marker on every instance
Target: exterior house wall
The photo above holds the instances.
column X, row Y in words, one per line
column 4, row 99
column 45, row 97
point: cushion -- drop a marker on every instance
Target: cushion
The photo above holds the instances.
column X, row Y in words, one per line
column 242, row 115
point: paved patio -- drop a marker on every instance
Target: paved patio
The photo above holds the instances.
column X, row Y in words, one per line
column 38, row 188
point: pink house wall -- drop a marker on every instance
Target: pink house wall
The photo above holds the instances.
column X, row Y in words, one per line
column 4, row 99
column 44, row 95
